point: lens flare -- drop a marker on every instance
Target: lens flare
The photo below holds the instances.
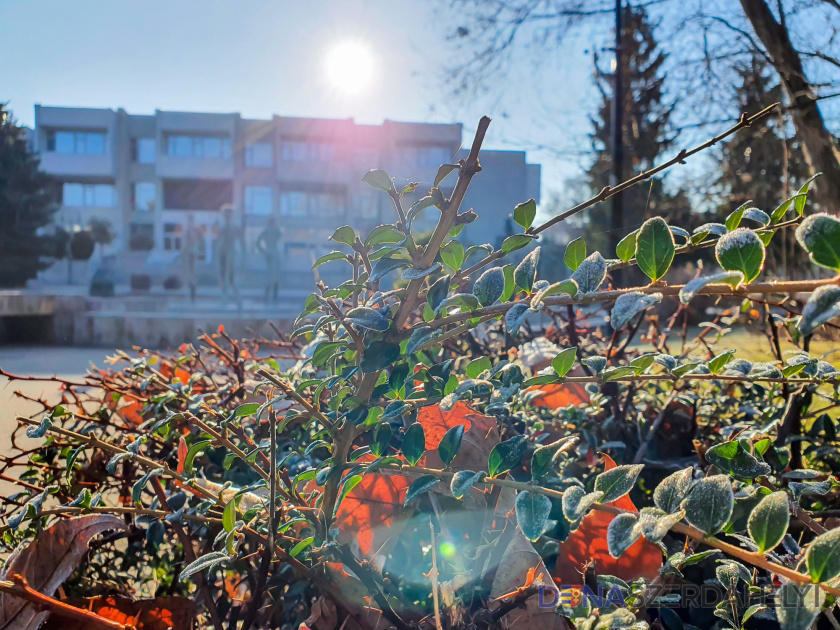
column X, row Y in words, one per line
column 349, row 66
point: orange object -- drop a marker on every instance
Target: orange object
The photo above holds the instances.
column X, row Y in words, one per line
column 589, row 542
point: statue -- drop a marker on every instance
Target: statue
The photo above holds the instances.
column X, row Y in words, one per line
column 190, row 251
column 228, row 239
column 268, row 244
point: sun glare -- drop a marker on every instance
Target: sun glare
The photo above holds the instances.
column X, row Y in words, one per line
column 349, row 66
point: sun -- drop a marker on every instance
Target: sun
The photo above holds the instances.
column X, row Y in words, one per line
column 349, row 66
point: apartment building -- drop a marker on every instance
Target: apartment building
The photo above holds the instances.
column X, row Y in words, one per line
column 146, row 175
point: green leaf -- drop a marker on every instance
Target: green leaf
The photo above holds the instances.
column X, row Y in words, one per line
column 344, row 234
column 655, row 248
column 324, row 350
column 819, row 235
column 248, row 409
column 709, row 504
column 415, row 273
column 414, row 443
column 384, row 266
column 420, row 337
column 378, row 179
column 229, row 514
column 510, row 284
column 463, row 481
column 303, row 544
column 329, row 257
column 505, row 455
column 731, row 457
column 517, row 241
column 797, row 605
column 381, row 439
column 741, row 250
column 719, row 362
column 626, row 248
column 823, row 557
column 575, row 253
column 622, row 533
column 194, row 450
column 769, row 520
column 524, row 213
column 419, row 486
column 617, row 482
column 452, row 255
column 490, row 286
column 734, row 219
column 383, row 234
column 464, row 301
column 443, row 171
column 576, row 503
column 802, row 195
column 450, row 444
column 477, row 366
column 379, row 355
column 526, row 271
column 543, row 457
column 532, row 512
column 564, row 361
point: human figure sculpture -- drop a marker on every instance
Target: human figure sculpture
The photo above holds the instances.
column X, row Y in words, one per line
column 190, row 251
column 227, row 241
column 268, row 244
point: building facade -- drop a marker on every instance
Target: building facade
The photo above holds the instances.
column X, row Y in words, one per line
column 149, row 175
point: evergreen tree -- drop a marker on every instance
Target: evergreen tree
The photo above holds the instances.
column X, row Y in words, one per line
column 646, row 134
column 764, row 166
column 26, row 205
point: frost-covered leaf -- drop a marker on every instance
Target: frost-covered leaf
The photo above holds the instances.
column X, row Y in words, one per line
column 419, row 486
column 421, row 336
column 596, row 363
column 490, row 286
column 629, row 305
column 591, row 273
column 733, row 458
column 671, row 491
column 526, row 271
column 532, row 511
column 797, row 605
column 370, row 318
column 741, row 250
column 515, row 316
column 622, row 533
column 655, row 523
column 822, row 306
column 709, row 504
column 544, row 457
column 413, row 273
column 576, row 502
column 823, row 557
column 463, row 481
column 617, row 482
column 732, row 278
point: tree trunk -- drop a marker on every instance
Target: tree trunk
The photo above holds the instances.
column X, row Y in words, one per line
column 817, row 143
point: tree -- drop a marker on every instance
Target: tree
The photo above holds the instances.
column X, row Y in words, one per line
column 646, row 134
column 765, row 169
column 26, row 206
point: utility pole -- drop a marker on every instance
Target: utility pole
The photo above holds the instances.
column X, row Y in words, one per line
column 617, row 213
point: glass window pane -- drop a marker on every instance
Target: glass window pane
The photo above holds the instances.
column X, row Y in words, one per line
column 144, row 196
column 95, row 143
column 226, row 147
column 73, row 195
column 65, row 142
column 103, row 195
column 258, row 154
column 90, row 198
column 212, row 147
column 258, row 200
column 146, row 150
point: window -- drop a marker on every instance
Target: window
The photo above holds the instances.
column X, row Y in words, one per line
column 88, row 195
column 259, row 200
column 295, row 203
column 178, row 145
column 367, row 157
column 367, row 206
column 172, row 233
column 141, row 237
column 77, row 142
column 307, row 151
column 197, row 194
column 145, row 194
column 259, row 154
column 145, row 150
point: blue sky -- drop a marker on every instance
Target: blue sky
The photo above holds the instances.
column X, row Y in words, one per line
column 264, row 57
